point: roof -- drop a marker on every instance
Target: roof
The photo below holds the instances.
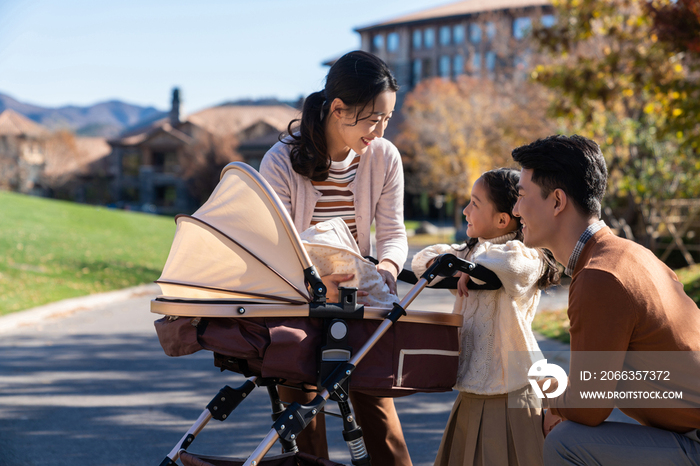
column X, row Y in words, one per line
column 463, row 8
column 92, row 152
column 76, row 156
column 224, row 120
column 232, row 119
column 14, row 124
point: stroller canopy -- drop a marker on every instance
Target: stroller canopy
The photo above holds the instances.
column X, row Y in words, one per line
column 240, row 245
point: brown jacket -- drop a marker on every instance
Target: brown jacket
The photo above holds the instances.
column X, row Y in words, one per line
column 623, row 298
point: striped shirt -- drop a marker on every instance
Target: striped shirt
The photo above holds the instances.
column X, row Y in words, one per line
column 337, row 200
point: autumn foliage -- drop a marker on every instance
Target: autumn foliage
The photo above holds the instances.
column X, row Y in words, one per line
column 202, row 162
column 455, row 130
column 621, row 80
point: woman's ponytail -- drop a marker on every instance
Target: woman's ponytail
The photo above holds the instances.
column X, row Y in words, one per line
column 309, row 149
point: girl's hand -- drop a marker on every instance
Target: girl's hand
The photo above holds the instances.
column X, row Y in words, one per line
column 333, row 281
column 462, row 289
column 389, row 272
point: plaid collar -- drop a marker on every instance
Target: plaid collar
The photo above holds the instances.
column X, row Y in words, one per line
column 585, row 236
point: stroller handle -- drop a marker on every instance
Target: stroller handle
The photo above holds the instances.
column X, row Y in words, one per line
column 490, row 279
column 446, row 265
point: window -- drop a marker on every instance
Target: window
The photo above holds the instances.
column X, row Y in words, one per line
column 548, row 21
column 429, row 38
column 476, row 63
column 490, row 59
column 417, row 71
column 445, row 66
column 490, row 31
column 417, row 39
column 378, row 43
column 457, row 65
column 475, row 33
column 165, row 196
column 445, row 35
column 392, row 42
column 458, row 34
column 521, row 27
column 165, row 162
column 130, row 163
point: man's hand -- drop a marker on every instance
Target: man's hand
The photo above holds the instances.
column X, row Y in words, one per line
column 549, row 422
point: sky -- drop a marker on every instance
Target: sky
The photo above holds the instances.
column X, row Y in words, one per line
column 81, row 52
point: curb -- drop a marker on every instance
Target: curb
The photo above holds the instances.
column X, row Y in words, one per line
column 71, row 306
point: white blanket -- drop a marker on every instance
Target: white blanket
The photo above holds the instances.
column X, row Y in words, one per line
column 332, row 249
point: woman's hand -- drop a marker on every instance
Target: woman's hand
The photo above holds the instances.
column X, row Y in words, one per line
column 389, row 271
column 332, row 283
column 462, row 289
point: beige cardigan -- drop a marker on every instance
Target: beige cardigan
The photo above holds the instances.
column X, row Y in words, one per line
column 497, row 343
column 378, row 190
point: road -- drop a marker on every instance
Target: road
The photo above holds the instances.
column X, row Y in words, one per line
column 92, row 386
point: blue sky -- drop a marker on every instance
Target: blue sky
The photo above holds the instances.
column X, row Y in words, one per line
column 80, row 52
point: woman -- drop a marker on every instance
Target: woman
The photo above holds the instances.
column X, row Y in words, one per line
column 338, row 165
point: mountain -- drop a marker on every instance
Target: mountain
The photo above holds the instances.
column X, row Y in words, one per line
column 105, row 119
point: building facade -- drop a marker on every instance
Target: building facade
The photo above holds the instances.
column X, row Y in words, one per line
column 474, row 37
column 22, row 153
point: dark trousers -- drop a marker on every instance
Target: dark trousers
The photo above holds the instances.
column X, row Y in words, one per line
column 380, row 424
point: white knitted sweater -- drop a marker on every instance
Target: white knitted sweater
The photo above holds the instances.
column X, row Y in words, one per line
column 497, row 343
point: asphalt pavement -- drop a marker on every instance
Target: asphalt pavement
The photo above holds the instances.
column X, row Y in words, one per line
column 86, row 382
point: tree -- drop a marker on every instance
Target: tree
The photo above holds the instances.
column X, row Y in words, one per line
column 677, row 23
column 455, row 130
column 203, row 161
column 618, row 83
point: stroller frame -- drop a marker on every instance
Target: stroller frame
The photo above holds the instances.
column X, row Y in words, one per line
column 289, row 422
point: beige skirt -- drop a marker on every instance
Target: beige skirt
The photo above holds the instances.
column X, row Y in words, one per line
column 484, row 431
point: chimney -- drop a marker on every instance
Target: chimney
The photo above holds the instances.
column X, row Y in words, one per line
column 175, row 109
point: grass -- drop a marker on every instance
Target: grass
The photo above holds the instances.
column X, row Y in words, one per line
column 690, row 277
column 555, row 324
column 54, row 250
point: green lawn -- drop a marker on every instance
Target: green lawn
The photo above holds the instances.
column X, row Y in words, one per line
column 53, row 250
column 555, row 324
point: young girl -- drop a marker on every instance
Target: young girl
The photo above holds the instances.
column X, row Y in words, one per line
column 482, row 430
column 338, row 165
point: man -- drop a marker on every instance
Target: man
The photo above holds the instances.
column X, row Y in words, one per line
column 622, row 299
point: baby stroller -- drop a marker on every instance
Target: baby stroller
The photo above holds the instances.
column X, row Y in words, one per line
column 239, row 282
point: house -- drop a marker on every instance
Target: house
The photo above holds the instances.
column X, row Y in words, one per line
column 155, row 165
column 474, row 37
column 22, row 152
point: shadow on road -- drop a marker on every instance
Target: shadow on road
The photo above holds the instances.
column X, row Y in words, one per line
column 116, row 399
